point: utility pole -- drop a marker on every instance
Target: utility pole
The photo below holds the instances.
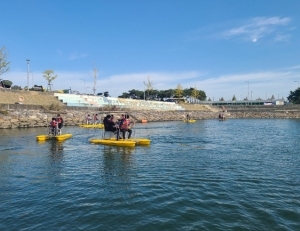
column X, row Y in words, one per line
column 248, row 92
column 95, row 79
column 144, row 90
column 28, row 60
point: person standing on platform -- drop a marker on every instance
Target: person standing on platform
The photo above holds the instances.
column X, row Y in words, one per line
column 60, row 123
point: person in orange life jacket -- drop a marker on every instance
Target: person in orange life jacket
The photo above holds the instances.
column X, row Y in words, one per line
column 125, row 127
column 59, row 121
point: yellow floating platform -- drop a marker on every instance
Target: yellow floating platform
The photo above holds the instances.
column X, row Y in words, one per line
column 91, row 125
column 189, row 121
column 58, row 137
column 122, row 143
column 139, row 141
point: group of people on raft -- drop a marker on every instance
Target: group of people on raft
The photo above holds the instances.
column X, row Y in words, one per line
column 94, row 119
column 56, row 125
column 222, row 116
column 121, row 125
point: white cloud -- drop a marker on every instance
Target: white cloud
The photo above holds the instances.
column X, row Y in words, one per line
column 258, row 28
column 76, row 55
column 261, row 84
column 282, row 38
column 294, row 67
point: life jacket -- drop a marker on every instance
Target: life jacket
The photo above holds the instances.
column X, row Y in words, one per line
column 53, row 124
column 125, row 124
column 59, row 120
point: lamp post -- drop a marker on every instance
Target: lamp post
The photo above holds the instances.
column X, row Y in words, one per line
column 28, row 60
column 251, row 97
column 298, row 83
column 144, row 90
column 248, row 91
column 31, row 78
column 85, row 89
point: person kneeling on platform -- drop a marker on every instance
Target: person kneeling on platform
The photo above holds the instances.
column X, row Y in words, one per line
column 125, row 127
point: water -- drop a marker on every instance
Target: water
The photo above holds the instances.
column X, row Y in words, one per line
column 209, row 175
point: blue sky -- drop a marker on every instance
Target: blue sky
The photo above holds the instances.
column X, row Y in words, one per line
column 222, row 47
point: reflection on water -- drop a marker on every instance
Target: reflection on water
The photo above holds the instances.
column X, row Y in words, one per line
column 56, row 150
column 117, row 163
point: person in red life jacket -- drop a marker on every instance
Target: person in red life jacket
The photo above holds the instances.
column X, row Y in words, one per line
column 60, row 122
column 125, row 127
column 53, row 125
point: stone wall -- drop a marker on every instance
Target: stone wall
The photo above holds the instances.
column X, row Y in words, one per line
column 40, row 118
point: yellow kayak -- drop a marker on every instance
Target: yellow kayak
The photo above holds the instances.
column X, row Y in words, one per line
column 91, row 125
column 189, row 121
column 58, row 137
column 122, row 143
column 139, row 141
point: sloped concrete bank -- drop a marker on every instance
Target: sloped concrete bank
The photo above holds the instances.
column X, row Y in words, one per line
column 41, row 118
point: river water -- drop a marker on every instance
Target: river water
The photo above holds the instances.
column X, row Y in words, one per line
column 209, row 175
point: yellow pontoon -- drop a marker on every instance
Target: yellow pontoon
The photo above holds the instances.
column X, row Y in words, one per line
column 114, row 142
column 58, row 137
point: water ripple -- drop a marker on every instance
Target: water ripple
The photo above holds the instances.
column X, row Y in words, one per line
column 234, row 175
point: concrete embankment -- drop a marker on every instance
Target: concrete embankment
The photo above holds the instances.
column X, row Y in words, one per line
column 26, row 118
column 39, row 118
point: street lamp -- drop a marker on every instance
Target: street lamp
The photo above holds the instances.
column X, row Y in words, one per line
column 251, row 97
column 85, row 90
column 248, row 90
column 28, row 60
column 298, row 83
column 144, row 90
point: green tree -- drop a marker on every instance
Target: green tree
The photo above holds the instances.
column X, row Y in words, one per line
column 135, row 94
column 195, row 93
column 202, row 95
column 4, row 64
column 49, row 76
column 179, row 91
column 149, row 86
column 294, row 96
column 166, row 93
column 15, row 87
column 222, row 99
column 233, row 98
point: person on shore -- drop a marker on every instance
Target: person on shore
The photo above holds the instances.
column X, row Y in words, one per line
column 60, row 123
